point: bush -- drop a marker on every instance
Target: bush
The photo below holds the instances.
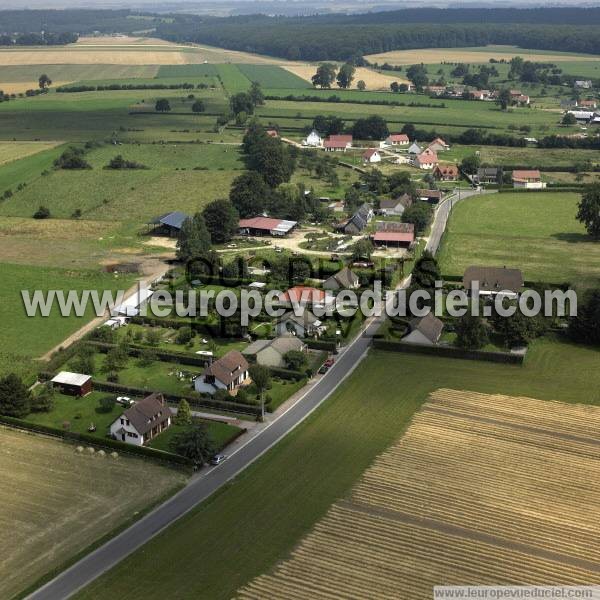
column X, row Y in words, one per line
column 42, row 212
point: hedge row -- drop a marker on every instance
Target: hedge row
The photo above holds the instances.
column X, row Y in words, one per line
column 551, row 189
column 448, row 352
column 91, row 440
column 200, row 402
column 337, row 99
column 329, row 346
column 288, row 374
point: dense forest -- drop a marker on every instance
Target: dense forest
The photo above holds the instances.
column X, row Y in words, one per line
column 338, row 37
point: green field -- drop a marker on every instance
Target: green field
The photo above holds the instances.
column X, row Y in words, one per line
column 232, row 78
column 535, row 232
column 280, row 497
column 66, row 72
column 536, row 157
column 180, row 71
column 273, row 77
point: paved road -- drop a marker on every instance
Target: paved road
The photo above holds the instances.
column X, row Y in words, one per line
column 201, row 487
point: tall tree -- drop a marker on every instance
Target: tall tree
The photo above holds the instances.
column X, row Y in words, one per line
column 249, row 193
column 162, row 105
column 345, row 75
column 194, row 443
column 261, row 377
column 325, row 75
column 426, row 272
column 471, row 332
column 504, row 99
column 256, row 94
column 241, row 102
column 588, row 211
column 271, row 159
column 44, row 81
column 222, row 220
column 419, row 214
column 184, row 413
column 194, row 238
column 361, row 85
column 418, row 75
column 370, row 128
column 15, row 398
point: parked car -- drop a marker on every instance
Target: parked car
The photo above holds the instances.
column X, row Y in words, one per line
column 329, row 362
column 125, row 401
column 217, row 459
column 324, row 368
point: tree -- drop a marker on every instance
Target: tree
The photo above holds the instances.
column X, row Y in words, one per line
column 106, row 404
column 84, row 361
column 569, row 119
column 222, row 220
column 269, row 157
column 261, row 376
column 328, row 125
column 295, row 360
column 198, row 107
column 241, row 102
column 588, row 211
column 184, row 335
column 471, row 332
column 345, row 75
column 184, row 413
column 426, row 272
column 43, row 212
column 519, row 329
column 470, row 164
column 115, row 360
column 287, row 202
column 585, row 327
column 419, row 214
column 147, row 356
column 15, row 398
column 361, row 85
column 72, row 158
column 249, row 193
column 256, row 94
column 395, row 86
column 371, row 128
column 410, row 130
column 44, row 81
column 194, row 443
column 162, row 105
column 43, row 400
column 418, row 75
column 324, row 76
column 504, row 99
column 362, row 249
column 194, row 238
column 153, row 337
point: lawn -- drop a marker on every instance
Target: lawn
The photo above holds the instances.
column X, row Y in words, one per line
column 293, row 485
column 57, row 502
column 536, row 232
column 535, row 157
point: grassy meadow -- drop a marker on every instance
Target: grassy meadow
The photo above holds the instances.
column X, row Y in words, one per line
column 339, row 441
column 536, row 232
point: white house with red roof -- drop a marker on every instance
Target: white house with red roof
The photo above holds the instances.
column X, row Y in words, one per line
column 338, row 143
column 302, row 295
column 438, row 145
column 428, row 159
column 396, row 139
column 313, row 139
column 530, row 179
column 371, row 156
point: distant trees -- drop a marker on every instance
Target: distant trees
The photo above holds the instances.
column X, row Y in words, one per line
column 325, row 75
column 15, row 398
column 118, row 162
column 417, row 74
column 43, row 212
column 345, row 75
column 370, row 128
column 198, row 106
column 222, row 220
column 504, row 99
column 287, row 202
column 194, row 238
column 361, row 85
column 249, row 193
column 256, row 94
column 588, row 211
column 241, row 102
column 471, row 332
column 72, row 158
column 328, row 125
column 162, row 105
column 44, row 81
column 569, row 119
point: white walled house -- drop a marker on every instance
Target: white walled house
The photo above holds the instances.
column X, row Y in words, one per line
column 143, row 421
column 313, row 139
column 531, row 180
column 228, row 373
column 371, row 156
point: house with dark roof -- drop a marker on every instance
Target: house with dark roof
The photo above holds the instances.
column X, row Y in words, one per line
column 432, row 196
column 303, row 325
column 143, row 421
column 493, row 280
column 425, row 330
column 227, row 373
column 395, row 206
column 357, row 222
column 489, row 175
column 342, row 280
column 168, row 224
column 271, row 353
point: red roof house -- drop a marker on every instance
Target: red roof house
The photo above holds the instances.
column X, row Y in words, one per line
column 446, row 172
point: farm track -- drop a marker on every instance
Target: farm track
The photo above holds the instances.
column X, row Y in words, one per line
column 482, row 489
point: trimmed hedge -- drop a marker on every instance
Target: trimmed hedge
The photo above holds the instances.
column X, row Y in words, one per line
column 107, row 442
column 448, row 352
column 321, row 345
column 288, row 374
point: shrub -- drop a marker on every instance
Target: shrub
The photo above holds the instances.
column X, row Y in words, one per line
column 43, row 212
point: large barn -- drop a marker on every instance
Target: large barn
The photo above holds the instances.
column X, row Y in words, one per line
column 266, row 226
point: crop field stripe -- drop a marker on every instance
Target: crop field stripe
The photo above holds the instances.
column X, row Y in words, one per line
column 273, row 77
column 233, row 79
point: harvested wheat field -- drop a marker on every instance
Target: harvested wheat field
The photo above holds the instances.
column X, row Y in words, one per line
column 482, row 489
column 10, row 151
column 121, row 40
column 374, row 80
column 471, row 55
column 56, row 502
column 109, row 56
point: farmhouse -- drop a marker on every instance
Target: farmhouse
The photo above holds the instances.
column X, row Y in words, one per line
column 493, row 175
column 395, row 206
column 424, row 330
column 435, row 90
column 338, row 143
column 371, row 156
column 583, row 84
column 531, row 180
column 313, row 139
column 301, row 295
column 168, row 224
column 426, row 160
column 446, row 172
column 493, row 280
column 73, row 384
column 143, row 421
column 479, row 94
column 415, row 149
column 357, row 222
column 303, row 325
column 227, row 373
column 271, row 353
column 392, row 234
column 438, row 145
column 342, row 280
column 266, row 226
column 397, row 139
column 431, row 196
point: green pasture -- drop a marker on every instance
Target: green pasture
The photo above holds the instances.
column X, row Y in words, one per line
column 178, row 71
column 66, row 72
column 232, row 78
column 270, row 76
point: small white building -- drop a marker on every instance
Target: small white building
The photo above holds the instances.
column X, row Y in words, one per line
column 131, row 306
column 583, row 84
column 313, row 139
column 371, row 156
column 396, row 139
column 530, row 179
column 143, row 421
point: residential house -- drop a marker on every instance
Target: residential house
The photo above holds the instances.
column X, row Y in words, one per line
column 428, row 159
column 432, row 196
column 491, row 281
column 143, row 421
column 438, row 145
column 522, row 99
column 583, row 84
column 479, row 94
column 342, row 280
column 425, row 330
column 531, row 179
column 313, row 139
column 446, row 172
column 303, row 325
column 271, row 353
column 489, row 175
column 302, row 295
column 397, row 139
column 415, row 149
column 357, row 222
column 593, row 104
column 435, row 90
column 266, row 226
column 394, row 234
column 395, row 206
column 371, row 156
column 227, row 373
column 72, row 384
column 338, row 143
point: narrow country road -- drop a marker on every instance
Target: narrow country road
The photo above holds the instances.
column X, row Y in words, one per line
column 209, row 481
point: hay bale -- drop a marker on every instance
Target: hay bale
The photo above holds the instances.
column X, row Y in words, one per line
column 90, row 450
column 79, row 449
column 101, row 453
column 114, row 455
